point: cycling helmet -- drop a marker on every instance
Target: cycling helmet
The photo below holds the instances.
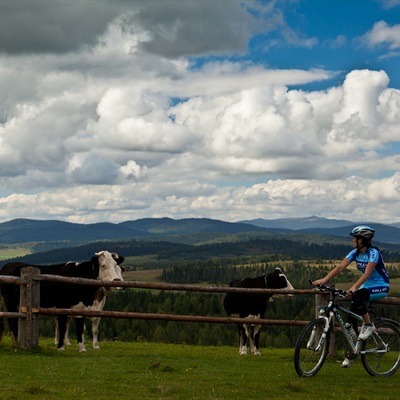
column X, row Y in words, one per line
column 363, row 231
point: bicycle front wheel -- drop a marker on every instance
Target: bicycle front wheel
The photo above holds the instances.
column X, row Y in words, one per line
column 380, row 354
column 311, row 349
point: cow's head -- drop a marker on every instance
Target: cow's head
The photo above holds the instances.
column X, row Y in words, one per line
column 109, row 266
column 278, row 280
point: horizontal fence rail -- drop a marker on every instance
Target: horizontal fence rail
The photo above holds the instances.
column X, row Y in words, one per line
column 30, row 310
column 5, row 314
column 164, row 317
column 192, row 288
column 165, row 286
column 12, row 280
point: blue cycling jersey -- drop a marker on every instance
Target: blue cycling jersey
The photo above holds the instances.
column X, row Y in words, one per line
column 378, row 283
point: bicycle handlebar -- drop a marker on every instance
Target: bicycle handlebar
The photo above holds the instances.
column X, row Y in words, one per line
column 332, row 289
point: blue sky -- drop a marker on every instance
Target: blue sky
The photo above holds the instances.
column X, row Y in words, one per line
column 115, row 110
column 336, row 31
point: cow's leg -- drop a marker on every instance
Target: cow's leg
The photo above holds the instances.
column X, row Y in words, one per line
column 244, row 338
column 56, row 331
column 251, row 337
column 67, row 339
column 13, row 322
column 13, row 326
column 62, row 326
column 95, row 332
column 255, row 340
column 80, row 326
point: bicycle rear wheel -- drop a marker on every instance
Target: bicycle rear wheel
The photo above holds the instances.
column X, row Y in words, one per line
column 380, row 354
column 307, row 360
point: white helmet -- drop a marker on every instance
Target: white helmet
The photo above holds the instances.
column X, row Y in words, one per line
column 363, row 231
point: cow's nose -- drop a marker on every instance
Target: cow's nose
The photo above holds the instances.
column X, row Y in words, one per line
column 118, row 287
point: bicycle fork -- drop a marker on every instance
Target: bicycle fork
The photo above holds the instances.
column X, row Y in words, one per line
column 318, row 334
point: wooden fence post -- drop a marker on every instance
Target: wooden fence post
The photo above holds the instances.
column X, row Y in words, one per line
column 28, row 331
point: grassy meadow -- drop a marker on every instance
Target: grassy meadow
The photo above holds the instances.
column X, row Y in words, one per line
column 12, row 251
column 164, row 371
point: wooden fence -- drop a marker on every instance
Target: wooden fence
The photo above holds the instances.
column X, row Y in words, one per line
column 28, row 334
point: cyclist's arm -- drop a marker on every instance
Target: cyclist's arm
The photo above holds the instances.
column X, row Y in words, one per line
column 364, row 277
column 335, row 271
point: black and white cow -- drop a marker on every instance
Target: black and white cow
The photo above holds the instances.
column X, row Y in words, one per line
column 253, row 305
column 98, row 305
column 62, row 295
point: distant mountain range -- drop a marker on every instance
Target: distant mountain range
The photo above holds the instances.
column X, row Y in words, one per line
column 28, row 230
column 299, row 223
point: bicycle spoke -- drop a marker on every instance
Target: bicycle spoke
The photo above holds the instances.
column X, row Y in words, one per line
column 380, row 354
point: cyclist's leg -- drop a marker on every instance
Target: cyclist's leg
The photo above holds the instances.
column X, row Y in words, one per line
column 375, row 293
column 359, row 304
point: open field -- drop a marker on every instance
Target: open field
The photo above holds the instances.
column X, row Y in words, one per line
column 145, row 275
column 11, row 251
column 161, row 371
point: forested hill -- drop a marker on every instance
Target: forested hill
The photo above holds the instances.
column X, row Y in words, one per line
column 163, row 253
column 27, row 230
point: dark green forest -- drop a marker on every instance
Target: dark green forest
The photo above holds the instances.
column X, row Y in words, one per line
column 228, row 249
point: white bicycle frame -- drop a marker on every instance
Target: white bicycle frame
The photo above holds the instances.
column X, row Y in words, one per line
column 355, row 348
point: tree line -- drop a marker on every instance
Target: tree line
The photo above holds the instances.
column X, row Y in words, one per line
column 239, row 249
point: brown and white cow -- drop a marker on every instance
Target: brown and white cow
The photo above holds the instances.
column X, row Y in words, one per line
column 253, row 305
column 63, row 295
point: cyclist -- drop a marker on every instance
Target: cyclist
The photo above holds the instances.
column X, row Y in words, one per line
column 373, row 283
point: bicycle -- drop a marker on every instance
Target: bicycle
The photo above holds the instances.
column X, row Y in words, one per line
column 380, row 353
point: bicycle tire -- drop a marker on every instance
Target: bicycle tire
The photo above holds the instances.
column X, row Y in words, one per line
column 386, row 363
column 308, row 361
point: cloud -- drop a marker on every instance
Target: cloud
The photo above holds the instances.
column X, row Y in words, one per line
column 194, row 29
column 90, row 169
column 353, row 196
column 388, row 4
column 338, row 42
column 383, row 34
column 113, row 122
column 171, row 30
column 127, row 156
column 53, row 27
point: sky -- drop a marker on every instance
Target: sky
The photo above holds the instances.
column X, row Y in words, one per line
column 116, row 110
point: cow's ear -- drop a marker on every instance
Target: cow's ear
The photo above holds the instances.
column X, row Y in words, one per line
column 123, row 269
column 119, row 259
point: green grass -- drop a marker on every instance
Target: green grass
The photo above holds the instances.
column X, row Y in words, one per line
column 162, row 371
column 145, row 275
column 13, row 251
